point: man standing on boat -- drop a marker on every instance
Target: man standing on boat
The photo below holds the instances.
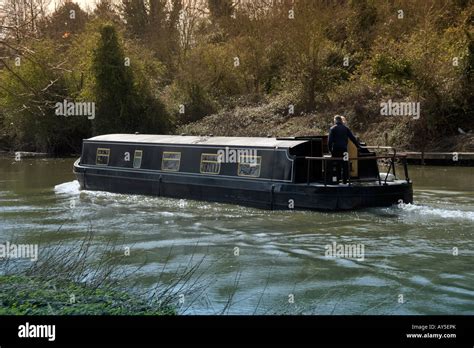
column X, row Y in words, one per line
column 337, row 144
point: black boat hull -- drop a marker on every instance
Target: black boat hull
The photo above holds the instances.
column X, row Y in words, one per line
column 265, row 194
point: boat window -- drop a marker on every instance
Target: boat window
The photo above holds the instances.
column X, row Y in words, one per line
column 137, row 159
column 249, row 166
column 171, row 161
column 102, row 157
column 210, row 164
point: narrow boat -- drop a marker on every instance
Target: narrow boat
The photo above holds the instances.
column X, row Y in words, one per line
column 269, row 173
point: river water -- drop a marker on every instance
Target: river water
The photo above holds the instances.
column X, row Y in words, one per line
column 417, row 259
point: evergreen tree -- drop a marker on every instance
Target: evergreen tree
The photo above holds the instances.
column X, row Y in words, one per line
column 67, row 20
column 123, row 106
column 106, row 10
column 136, row 17
column 113, row 84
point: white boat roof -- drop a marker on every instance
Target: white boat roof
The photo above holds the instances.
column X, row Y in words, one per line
column 198, row 140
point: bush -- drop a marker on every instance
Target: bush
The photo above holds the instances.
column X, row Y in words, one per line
column 389, row 69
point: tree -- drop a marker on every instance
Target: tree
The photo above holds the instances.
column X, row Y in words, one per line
column 28, row 94
column 220, row 8
column 67, row 20
column 113, row 84
column 136, row 17
column 123, row 105
column 106, row 10
column 19, row 18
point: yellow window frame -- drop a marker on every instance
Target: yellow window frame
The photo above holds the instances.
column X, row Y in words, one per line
column 259, row 164
column 163, row 159
column 138, row 154
column 106, row 154
column 209, row 161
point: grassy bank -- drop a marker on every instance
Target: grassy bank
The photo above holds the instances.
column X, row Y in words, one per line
column 90, row 277
column 22, row 295
column 271, row 118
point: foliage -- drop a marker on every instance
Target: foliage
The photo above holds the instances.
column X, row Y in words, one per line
column 215, row 56
column 389, row 69
column 21, row 295
column 86, row 276
column 28, row 95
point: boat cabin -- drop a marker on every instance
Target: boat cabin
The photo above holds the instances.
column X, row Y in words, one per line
column 251, row 158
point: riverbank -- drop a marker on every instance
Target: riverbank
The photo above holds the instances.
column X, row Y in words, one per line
column 272, row 118
column 83, row 277
column 31, row 154
column 28, row 295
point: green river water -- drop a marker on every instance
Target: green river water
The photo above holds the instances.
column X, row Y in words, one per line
column 418, row 259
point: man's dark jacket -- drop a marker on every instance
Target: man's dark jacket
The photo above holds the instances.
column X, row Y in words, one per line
column 338, row 136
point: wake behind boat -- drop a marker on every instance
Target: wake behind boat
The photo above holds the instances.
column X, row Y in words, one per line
column 269, row 173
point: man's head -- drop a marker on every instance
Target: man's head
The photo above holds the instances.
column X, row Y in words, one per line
column 338, row 119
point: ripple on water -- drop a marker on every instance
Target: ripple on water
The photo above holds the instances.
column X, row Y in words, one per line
column 407, row 211
column 404, row 248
